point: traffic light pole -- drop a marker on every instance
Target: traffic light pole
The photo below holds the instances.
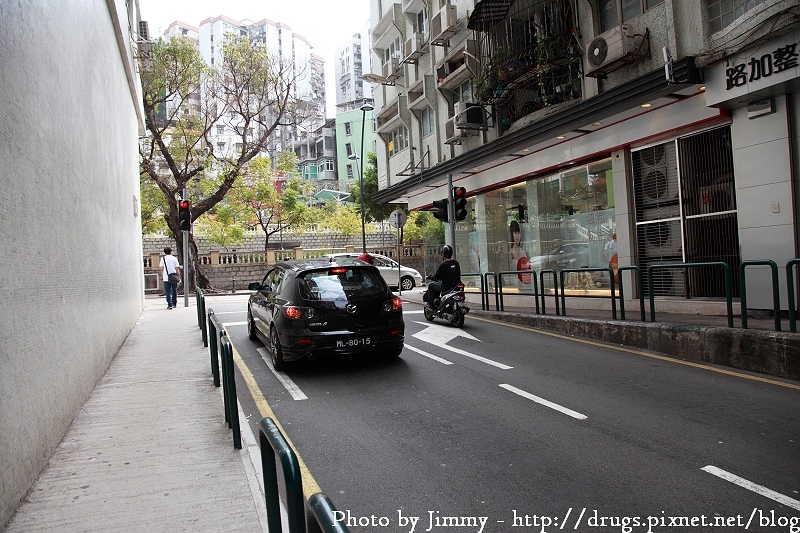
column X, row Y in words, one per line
column 185, row 196
column 451, row 212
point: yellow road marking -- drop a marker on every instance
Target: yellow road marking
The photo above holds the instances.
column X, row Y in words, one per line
column 645, row 354
column 310, row 485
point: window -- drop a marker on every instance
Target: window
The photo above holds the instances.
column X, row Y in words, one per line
column 220, row 130
column 397, row 140
column 426, row 121
column 422, row 21
column 329, row 165
column 721, row 13
column 463, row 93
column 350, row 171
column 348, row 130
column 615, row 12
column 349, row 149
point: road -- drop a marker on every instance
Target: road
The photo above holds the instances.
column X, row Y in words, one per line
column 502, row 428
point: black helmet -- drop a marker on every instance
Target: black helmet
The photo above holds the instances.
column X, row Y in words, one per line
column 447, row 251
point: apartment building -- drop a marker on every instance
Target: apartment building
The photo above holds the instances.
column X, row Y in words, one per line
column 598, row 133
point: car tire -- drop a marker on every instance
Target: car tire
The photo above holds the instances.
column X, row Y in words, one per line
column 251, row 327
column 407, row 283
column 394, row 352
column 277, row 352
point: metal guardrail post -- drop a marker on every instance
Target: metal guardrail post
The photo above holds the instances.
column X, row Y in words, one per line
column 598, row 269
column 725, row 269
column 494, row 286
column 480, row 279
column 229, row 390
column 638, row 271
column 531, row 273
column 555, row 286
column 776, row 295
column 213, row 347
column 271, row 439
column 790, row 290
column 201, row 303
column 324, row 513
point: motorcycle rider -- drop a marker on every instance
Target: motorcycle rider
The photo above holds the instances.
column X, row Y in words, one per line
column 447, row 276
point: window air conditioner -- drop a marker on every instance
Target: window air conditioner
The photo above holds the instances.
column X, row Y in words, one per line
column 443, row 25
column 607, row 52
column 391, row 69
column 468, row 116
column 413, row 48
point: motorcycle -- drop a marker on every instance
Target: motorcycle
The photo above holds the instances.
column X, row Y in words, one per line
column 451, row 306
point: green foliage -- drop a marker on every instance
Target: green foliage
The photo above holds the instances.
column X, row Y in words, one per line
column 372, row 211
column 342, row 220
column 224, row 226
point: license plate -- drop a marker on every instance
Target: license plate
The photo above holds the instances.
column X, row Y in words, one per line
column 356, row 342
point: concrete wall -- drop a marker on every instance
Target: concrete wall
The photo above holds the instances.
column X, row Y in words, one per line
column 69, row 211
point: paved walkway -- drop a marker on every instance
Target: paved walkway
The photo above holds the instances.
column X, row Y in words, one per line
column 150, row 450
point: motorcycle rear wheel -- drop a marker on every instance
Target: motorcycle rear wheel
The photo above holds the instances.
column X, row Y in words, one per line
column 458, row 317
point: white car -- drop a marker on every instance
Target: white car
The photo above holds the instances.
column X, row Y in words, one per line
column 409, row 277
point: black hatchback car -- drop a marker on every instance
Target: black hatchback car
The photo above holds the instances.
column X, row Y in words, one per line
column 309, row 308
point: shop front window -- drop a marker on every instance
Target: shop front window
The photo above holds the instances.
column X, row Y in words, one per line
column 560, row 221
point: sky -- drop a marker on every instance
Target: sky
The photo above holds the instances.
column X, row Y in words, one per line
column 327, row 24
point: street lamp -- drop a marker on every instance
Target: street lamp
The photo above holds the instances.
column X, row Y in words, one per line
column 360, row 165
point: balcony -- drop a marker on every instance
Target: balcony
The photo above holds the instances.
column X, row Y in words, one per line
column 457, row 67
column 422, row 94
column 391, row 26
column 390, row 117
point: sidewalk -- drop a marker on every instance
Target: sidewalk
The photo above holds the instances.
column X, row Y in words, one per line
column 150, row 450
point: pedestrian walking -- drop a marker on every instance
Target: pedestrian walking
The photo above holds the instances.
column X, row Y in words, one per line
column 170, row 273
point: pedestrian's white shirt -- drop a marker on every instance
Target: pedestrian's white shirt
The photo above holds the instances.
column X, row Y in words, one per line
column 169, row 263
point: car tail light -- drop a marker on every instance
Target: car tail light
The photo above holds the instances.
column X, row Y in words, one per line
column 395, row 304
column 395, row 332
column 293, row 312
column 338, row 270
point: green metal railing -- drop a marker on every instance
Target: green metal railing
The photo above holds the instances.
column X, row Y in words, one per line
column 567, row 271
column 490, row 278
column 638, row 273
column 201, row 315
column 221, row 346
column 535, row 292
column 555, row 287
column 776, row 295
column 790, row 290
column 725, row 269
column 274, row 445
column 484, row 294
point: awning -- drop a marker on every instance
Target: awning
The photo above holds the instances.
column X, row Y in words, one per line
column 487, row 14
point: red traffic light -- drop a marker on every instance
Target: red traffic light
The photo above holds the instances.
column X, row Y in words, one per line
column 460, row 203
column 185, row 215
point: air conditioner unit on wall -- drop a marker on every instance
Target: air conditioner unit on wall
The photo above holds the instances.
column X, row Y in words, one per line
column 392, row 69
column 469, row 116
column 414, row 48
column 658, row 181
column 660, row 235
column 452, row 133
column 443, row 25
column 608, row 51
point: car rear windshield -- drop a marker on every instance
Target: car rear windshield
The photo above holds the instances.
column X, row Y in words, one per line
column 340, row 283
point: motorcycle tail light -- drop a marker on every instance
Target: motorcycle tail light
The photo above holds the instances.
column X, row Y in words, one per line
column 460, row 286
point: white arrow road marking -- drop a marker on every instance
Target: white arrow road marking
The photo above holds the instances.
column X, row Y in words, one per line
column 749, row 485
column 428, row 355
column 546, row 403
column 287, row 382
column 440, row 335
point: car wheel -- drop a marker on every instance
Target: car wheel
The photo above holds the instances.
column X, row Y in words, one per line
column 428, row 313
column 251, row 327
column 407, row 283
column 277, row 352
column 394, row 352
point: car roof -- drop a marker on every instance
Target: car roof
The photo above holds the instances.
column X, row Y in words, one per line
column 316, row 263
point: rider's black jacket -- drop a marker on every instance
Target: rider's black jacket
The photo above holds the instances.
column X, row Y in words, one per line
column 449, row 273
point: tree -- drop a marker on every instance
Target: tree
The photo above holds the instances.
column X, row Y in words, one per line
column 274, row 212
column 372, row 210
column 250, row 94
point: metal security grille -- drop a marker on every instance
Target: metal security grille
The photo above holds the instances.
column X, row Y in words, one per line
column 686, row 213
column 709, row 207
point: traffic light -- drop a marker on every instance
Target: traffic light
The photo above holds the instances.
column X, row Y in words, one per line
column 460, row 203
column 441, row 209
column 185, row 214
